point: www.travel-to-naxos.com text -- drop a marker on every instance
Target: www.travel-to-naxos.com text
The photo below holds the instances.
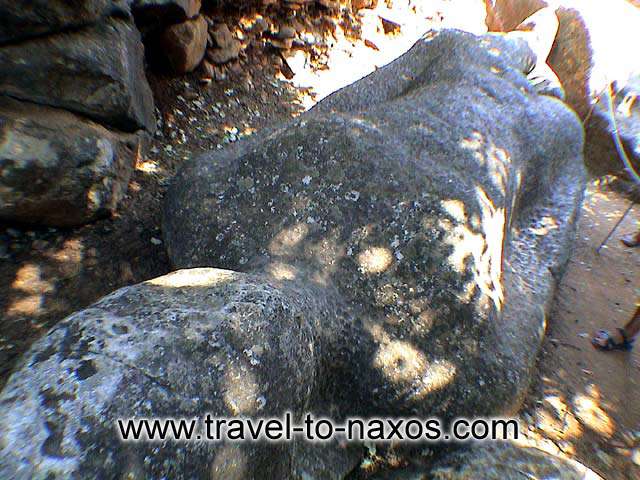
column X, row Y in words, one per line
column 211, row 428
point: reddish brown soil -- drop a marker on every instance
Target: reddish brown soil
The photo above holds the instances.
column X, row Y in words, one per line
column 585, row 404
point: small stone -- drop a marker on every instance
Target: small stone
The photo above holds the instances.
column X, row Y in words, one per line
column 390, row 27
column 329, row 4
column 282, row 44
column 185, row 44
column 173, row 9
column 156, row 241
column 370, row 44
column 285, row 32
column 222, row 36
column 226, row 54
column 207, row 69
column 260, row 26
column 360, row 4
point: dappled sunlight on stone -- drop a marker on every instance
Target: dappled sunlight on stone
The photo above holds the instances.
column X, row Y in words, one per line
column 455, row 208
column 499, row 161
column 148, row 166
column 438, row 375
column 29, row 279
column 69, row 258
column 282, row 271
column 288, row 238
column 496, row 159
column 241, row 390
column 474, row 143
column 29, row 305
column 556, row 419
column 545, row 225
column 375, row 260
column 484, row 248
column 195, row 277
column 489, row 265
column 401, row 362
column 460, row 237
column 230, row 463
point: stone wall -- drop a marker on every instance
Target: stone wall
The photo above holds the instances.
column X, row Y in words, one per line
column 75, row 104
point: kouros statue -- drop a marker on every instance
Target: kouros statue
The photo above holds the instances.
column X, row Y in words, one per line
column 391, row 252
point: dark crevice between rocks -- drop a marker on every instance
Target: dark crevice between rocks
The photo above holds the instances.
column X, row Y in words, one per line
column 112, row 127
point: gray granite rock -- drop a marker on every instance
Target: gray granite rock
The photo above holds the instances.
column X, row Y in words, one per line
column 183, row 345
column 496, row 461
column 437, row 196
column 59, row 169
column 97, row 72
column 398, row 249
column 504, row 461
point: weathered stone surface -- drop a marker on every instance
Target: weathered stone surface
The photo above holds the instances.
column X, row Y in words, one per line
column 589, row 54
column 222, row 36
column 184, row 44
column 227, row 46
column 438, row 196
column 224, row 55
column 190, row 343
column 97, row 72
column 22, row 20
column 501, row 461
column 402, row 239
column 58, row 169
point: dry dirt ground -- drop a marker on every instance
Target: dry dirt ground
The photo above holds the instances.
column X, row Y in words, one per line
column 583, row 404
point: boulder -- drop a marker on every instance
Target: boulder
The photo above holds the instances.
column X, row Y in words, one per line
column 397, row 248
column 587, row 56
column 437, row 196
column 496, row 461
column 97, row 72
column 222, row 36
column 184, row 44
column 59, row 169
column 39, row 17
column 189, row 343
column 227, row 47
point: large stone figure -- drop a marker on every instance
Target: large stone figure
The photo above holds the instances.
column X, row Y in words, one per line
column 394, row 251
